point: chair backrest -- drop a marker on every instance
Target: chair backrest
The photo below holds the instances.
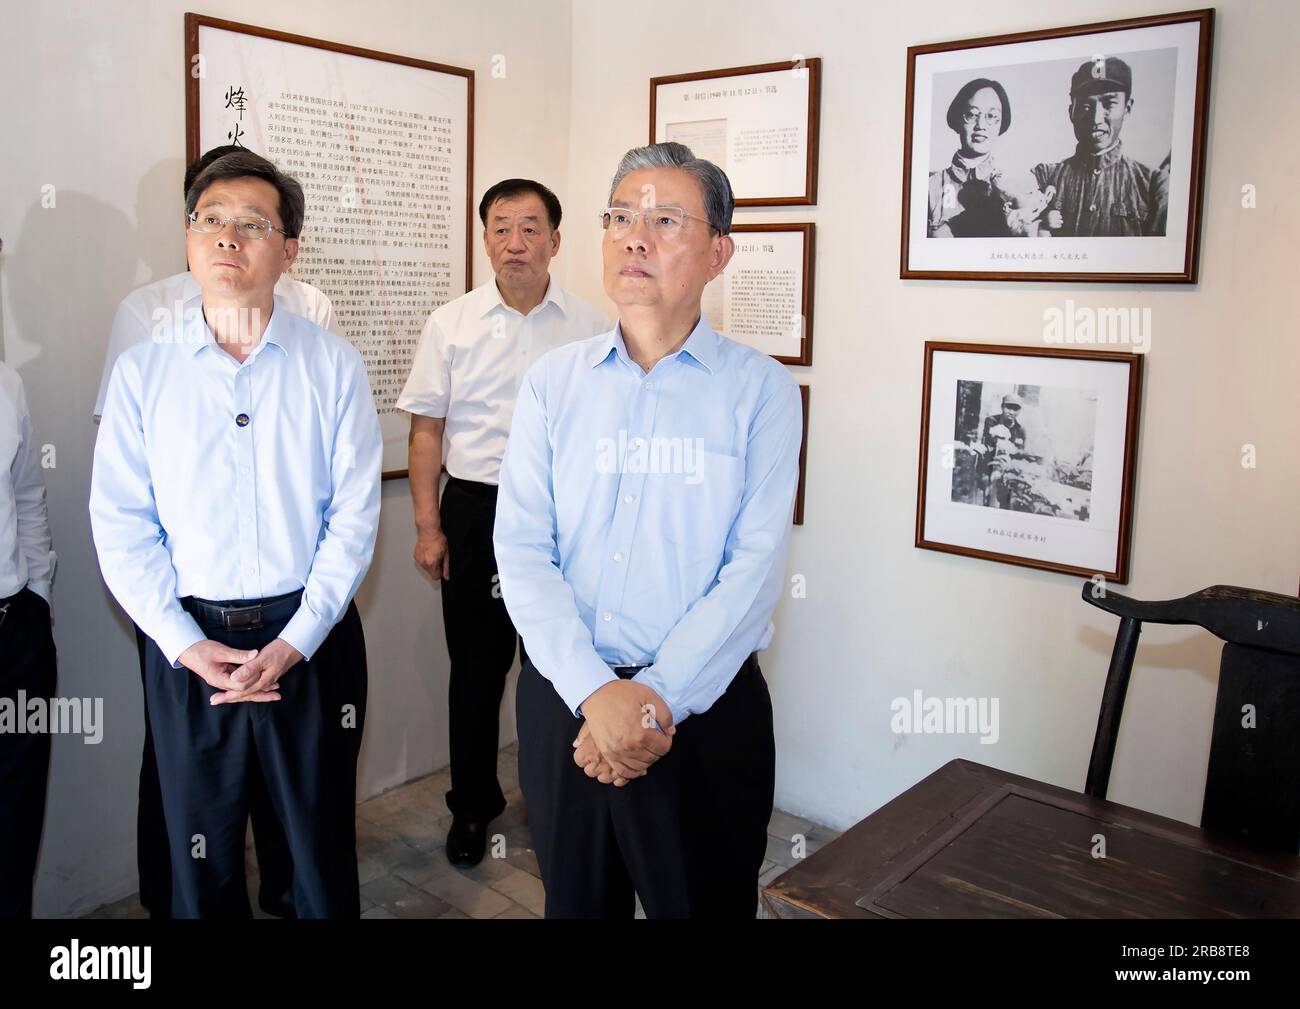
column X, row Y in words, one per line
column 1252, row 785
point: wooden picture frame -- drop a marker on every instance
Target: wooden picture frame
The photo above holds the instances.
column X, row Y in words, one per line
column 729, row 97
column 1059, row 486
column 277, row 89
column 804, row 394
column 757, row 272
column 965, row 215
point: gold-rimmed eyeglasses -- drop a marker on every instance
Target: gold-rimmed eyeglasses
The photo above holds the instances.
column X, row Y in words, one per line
column 665, row 222
column 256, row 228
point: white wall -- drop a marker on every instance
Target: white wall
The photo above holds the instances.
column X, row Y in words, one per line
column 97, row 110
column 95, row 107
column 882, row 618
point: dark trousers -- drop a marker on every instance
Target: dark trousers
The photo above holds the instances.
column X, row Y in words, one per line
column 688, row 837
column 274, row 864
column 481, row 644
column 304, row 747
column 27, row 663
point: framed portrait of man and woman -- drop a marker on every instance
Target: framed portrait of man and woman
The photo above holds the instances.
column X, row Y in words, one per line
column 1073, row 154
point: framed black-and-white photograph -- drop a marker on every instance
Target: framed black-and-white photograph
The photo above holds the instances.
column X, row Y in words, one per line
column 1027, row 455
column 383, row 145
column 764, row 298
column 758, row 124
column 1072, row 154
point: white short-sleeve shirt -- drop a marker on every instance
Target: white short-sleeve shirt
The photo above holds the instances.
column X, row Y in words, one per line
column 470, row 360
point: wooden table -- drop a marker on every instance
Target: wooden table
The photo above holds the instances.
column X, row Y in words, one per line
column 971, row 841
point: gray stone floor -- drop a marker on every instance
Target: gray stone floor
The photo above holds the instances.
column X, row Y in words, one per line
column 404, row 873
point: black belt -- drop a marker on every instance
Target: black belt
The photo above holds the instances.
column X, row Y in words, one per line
column 486, row 491
column 242, row 614
column 627, row 672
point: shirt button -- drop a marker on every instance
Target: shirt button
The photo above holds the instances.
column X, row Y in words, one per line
column 607, row 616
column 628, row 499
column 1093, row 208
column 647, row 385
column 636, row 442
column 1096, row 171
column 242, row 420
column 618, row 557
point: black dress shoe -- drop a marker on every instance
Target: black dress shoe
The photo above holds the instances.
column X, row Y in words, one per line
column 466, row 842
column 280, row 905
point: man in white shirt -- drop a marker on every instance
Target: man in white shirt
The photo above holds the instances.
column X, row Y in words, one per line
column 26, row 646
column 147, row 309
column 234, row 504
column 465, row 376
column 143, row 313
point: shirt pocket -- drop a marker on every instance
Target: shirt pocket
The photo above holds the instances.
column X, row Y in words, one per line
column 700, row 505
column 1129, row 212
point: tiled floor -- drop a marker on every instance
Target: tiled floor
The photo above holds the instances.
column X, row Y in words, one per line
column 404, row 873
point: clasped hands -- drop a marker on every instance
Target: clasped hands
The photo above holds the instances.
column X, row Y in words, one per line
column 241, row 675
column 618, row 740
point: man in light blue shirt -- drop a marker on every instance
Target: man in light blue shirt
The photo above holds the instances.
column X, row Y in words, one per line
column 644, row 509
column 234, row 504
column 134, row 322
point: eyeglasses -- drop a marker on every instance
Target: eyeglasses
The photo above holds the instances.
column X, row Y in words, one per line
column 989, row 118
column 256, row 228
column 665, row 222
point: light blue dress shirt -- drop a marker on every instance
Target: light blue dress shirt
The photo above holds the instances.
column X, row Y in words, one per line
column 643, row 518
column 224, row 480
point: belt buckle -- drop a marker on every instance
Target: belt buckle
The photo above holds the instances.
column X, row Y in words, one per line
column 245, row 618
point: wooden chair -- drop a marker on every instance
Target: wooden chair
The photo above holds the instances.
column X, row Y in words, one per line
column 1252, row 785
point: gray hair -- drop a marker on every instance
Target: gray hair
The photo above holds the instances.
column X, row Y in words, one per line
column 715, row 188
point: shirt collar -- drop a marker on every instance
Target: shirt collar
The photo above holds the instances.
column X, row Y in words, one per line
column 1102, row 159
column 492, row 298
column 701, row 346
column 981, row 167
column 279, row 330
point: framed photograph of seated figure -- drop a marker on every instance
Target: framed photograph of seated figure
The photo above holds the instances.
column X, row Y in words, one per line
column 759, row 124
column 764, row 298
column 1027, row 456
column 1067, row 154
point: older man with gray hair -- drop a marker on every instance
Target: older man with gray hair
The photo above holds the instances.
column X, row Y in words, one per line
column 642, row 520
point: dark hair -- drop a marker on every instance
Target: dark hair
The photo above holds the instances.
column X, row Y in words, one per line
column 203, row 160
column 243, row 164
column 968, row 92
column 509, row 188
